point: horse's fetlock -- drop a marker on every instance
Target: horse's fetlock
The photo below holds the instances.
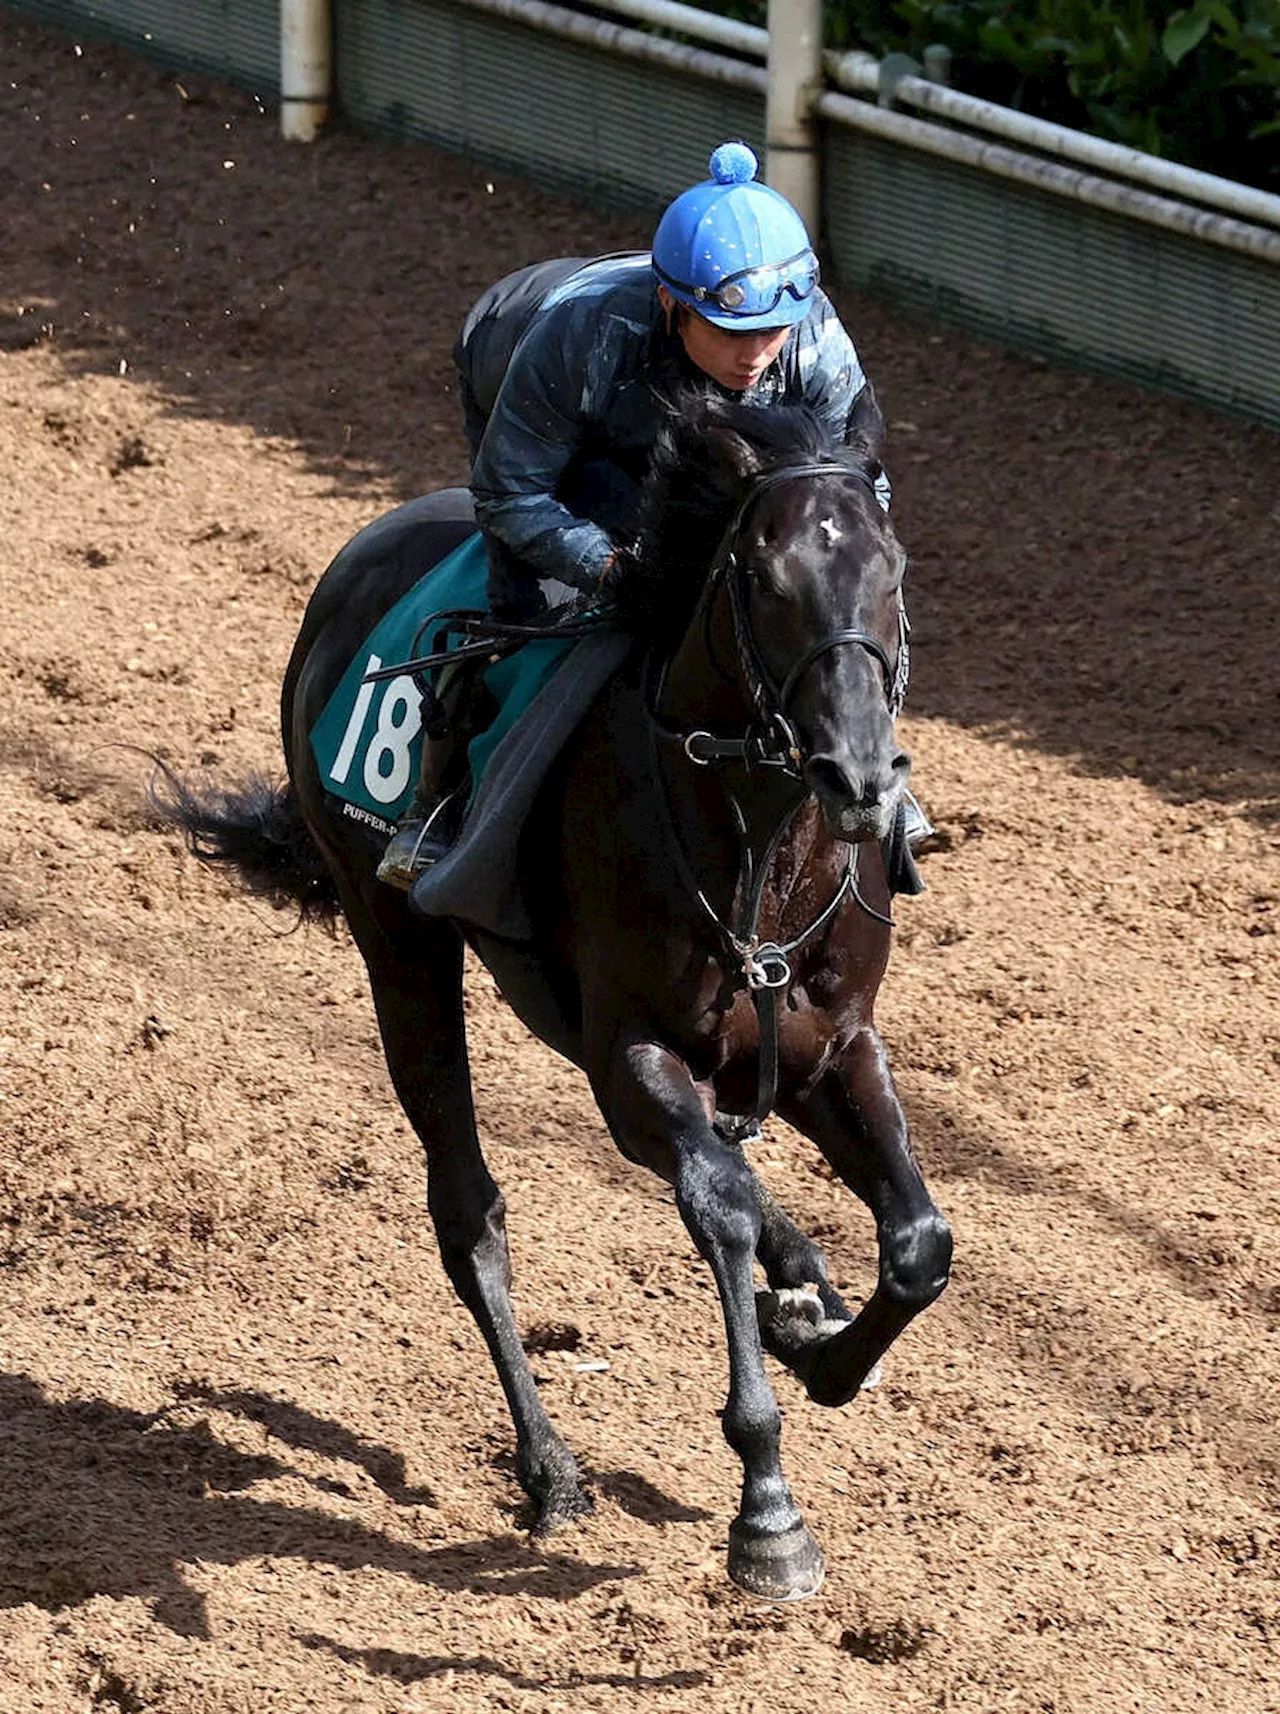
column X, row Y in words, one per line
column 752, row 1431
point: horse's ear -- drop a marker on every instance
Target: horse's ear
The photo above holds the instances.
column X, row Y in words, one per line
column 728, row 450
column 865, row 455
column 701, row 433
column 718, row 423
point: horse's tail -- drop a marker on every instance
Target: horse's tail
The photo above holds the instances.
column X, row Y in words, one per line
column 258, row 828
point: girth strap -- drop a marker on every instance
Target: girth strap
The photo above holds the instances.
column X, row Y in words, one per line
column 766, row 1004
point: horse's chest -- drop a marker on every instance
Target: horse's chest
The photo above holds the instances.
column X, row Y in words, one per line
column 730, row 1029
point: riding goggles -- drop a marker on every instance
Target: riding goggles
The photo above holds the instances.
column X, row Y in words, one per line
column 754, row 291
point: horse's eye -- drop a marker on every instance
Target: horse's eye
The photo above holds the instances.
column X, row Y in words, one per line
column 764, row 569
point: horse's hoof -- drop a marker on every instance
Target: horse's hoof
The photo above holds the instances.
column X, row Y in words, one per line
column 841, row 1369
column 795, row 1328
column 792, row 1321
column 561, row 1513
column 786, row 1567
column 554, row 1486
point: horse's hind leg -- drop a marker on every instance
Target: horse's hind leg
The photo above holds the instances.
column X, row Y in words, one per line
column 794, row 1265
column 416, row 973
column 801, row 1308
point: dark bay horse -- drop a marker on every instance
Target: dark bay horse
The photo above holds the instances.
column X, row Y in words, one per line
column 710, row 917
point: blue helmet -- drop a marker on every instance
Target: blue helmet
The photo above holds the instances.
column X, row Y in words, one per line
column 734, row 250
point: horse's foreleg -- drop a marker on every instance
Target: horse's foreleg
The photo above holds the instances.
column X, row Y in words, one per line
column 419, row 1006
column 651, row 1102
column 856, row 1119
column 801, row 1309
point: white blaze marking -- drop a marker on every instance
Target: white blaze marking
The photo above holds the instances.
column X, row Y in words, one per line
column 832, row 533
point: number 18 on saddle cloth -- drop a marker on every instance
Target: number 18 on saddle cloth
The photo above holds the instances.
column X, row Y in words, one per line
column 367, row 742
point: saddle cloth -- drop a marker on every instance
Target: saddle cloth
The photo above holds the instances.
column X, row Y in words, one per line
column 368, row 741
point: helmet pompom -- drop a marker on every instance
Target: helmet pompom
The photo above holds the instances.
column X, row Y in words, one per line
column 733, row 163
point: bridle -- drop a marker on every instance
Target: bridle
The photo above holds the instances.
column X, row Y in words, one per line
column 770, row 740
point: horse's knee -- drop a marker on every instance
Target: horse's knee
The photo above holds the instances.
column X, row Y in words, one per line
column 915, row 1260
column 715, row 1192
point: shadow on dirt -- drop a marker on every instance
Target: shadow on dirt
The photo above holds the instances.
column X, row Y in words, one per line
column 1093, row 567
column 629, row 1491
column 103, row 1500
column 414, row 1668
column 1193, row 1260
column 640, row 1499
column 304, row 1431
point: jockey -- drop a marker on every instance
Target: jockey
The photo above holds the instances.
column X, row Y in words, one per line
column 566, row 365
column 565, row 368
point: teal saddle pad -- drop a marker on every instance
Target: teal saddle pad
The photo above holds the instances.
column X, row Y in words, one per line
column 368, row 741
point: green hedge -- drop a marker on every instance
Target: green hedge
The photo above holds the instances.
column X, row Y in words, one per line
column 1199, row 83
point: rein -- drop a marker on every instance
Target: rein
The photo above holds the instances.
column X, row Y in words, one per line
column 490, row 637
column 770, row 741
column 490, row 640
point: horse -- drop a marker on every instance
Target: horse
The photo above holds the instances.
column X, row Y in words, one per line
column 709, row 909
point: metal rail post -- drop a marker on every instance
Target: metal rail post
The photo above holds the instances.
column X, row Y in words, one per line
column 306, row 68
column 792, row 158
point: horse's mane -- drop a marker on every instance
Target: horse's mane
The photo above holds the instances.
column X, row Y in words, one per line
column 711, row 449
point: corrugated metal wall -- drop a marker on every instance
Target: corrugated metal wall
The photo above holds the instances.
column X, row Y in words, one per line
column 234, row 39
column 1047, row 275
column 1019, row 266
column 569, row 115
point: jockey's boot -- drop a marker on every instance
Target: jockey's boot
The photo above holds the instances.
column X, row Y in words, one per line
column 422, row 839
column 912, row 831
column 917, row 828
column 434, row 819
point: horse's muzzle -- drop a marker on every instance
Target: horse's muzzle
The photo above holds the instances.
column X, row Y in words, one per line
column 857, row 807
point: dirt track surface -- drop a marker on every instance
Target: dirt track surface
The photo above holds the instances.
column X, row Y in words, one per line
column 252, row 1454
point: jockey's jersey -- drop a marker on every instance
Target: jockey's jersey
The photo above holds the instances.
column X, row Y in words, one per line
column 574, row 359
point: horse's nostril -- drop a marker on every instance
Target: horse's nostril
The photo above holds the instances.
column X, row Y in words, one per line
column 830, row 779
column 850, row 787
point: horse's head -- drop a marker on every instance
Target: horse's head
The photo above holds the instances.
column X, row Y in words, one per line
column 805, row 574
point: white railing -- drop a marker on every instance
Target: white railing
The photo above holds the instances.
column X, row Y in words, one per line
column 861, row 74
column 634, row 44
column 703, row 26
column 1190, row 193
